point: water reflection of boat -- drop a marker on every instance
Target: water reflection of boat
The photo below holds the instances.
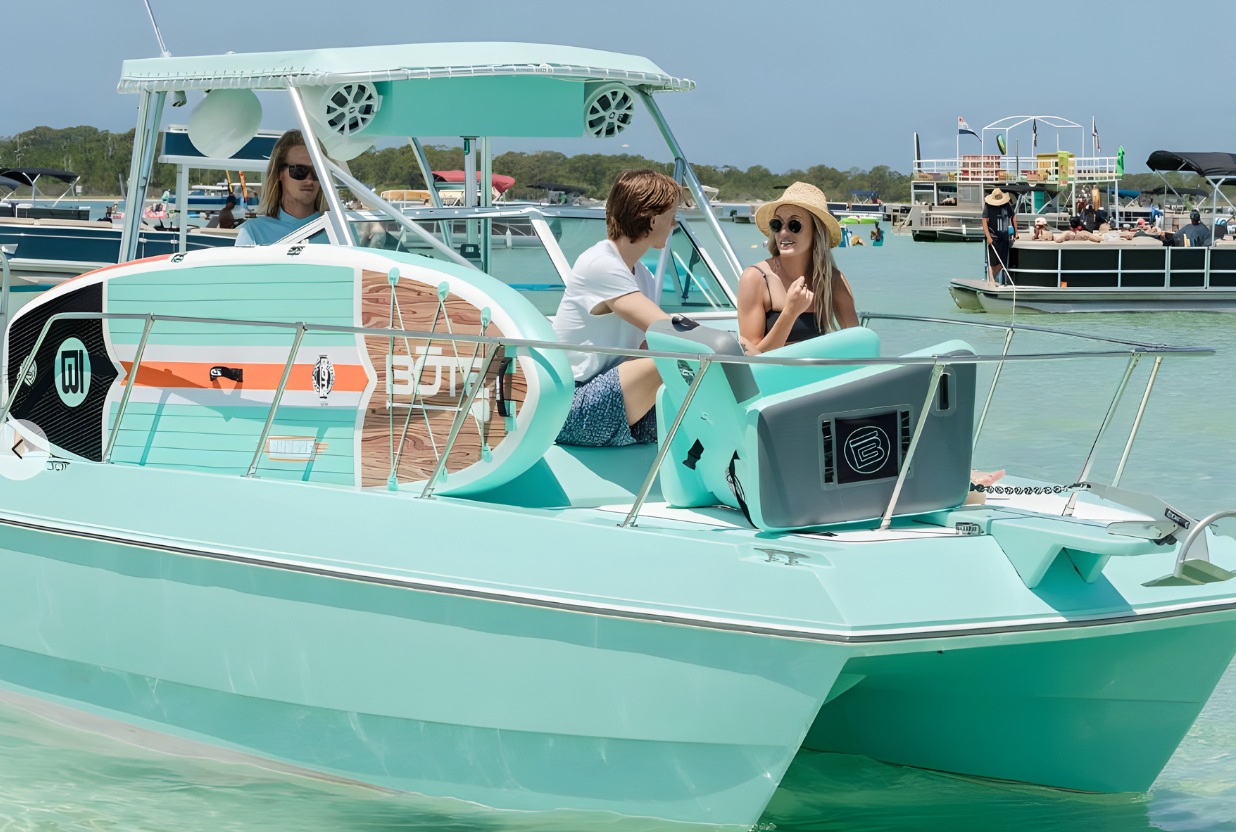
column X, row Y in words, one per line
column 649, row 631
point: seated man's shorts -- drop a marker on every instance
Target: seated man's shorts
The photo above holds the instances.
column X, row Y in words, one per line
column 598, row 416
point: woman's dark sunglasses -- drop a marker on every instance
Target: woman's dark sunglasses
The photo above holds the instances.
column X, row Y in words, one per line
column 775, row 225
column 299, row 172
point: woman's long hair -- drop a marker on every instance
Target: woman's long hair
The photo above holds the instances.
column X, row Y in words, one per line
column 821, row 273
column 272, row 186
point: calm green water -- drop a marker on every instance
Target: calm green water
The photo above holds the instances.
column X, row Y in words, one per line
column 54, row 778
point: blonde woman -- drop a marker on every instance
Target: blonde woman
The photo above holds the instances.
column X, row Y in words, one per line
column 798, row 292
column 291, row 194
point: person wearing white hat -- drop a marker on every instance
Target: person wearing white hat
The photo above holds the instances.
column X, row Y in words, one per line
column 798, row 292
column 999, row 227
column 1042, row 231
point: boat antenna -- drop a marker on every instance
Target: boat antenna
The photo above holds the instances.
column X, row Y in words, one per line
column 178, row 96
column 158, row 34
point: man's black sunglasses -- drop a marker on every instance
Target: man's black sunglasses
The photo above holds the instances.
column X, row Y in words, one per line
column 299, row 172
column 775, row 225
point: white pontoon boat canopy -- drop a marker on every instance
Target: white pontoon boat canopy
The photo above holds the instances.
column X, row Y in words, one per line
column 318, row 67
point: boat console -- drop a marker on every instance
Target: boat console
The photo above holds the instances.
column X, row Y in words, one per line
column 831, row 445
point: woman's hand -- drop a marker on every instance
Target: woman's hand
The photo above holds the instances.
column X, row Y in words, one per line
column 798, row 299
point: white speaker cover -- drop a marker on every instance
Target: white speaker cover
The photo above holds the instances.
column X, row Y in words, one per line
column 224, row 122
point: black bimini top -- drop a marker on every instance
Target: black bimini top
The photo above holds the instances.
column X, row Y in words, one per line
column 26, row 176
column 1209, row 165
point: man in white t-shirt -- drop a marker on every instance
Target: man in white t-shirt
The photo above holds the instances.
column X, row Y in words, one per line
column 610, row 302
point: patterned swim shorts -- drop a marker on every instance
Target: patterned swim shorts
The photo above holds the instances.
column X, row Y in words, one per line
column 598, row 417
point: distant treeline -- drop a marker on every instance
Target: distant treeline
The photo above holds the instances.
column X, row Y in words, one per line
column 102, row 160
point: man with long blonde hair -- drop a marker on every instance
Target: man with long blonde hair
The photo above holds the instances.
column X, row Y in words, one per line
column 291, row 194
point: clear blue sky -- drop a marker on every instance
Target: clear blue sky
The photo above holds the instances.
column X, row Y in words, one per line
column 785, row 84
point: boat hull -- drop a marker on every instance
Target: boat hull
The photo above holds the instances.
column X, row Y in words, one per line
column 945, row 234
column 1108, row 277
column 1097, row 712
column 978, row 295
column 360, row 660
column 51, row 251
column 450, row 694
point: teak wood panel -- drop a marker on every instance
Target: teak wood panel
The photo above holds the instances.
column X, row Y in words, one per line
column 415, row 308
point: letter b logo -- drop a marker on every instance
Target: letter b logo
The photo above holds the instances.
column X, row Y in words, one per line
column 72, row 372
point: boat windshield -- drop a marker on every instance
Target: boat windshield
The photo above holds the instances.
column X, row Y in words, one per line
column 532, row 251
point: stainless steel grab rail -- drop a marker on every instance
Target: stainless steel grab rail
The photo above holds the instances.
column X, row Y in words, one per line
column 1131, row 350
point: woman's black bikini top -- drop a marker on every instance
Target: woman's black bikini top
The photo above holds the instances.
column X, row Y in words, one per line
column 805, row 325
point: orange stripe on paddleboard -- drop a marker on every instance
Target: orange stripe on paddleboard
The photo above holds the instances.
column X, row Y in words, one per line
column 349, row 378
column 151, row 259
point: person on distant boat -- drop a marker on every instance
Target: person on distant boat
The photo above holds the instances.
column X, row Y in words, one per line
column 1195, row 233
column 1132, row 231
column 999, row 227
column 226, row 218
column 1078, row 233
column 610, row 301
column 798, row 292
column 1042, row 231
column 291, row 194
column 1093, row 218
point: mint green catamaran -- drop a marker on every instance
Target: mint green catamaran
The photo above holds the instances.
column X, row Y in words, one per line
column 303, row 502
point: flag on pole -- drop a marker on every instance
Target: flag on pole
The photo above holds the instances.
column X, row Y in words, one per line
column 963, row 128
column 1034, row 135
column 1094, row 134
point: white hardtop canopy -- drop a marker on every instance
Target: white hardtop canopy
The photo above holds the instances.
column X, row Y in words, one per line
column 349, row 97
column 318, row 67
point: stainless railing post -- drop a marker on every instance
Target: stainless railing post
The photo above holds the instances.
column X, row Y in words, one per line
column 25, row 368
column 464, row 408
column 5, row 253
column 991, row 392
column 936, row 371
column 693, row 185
column 274, row 404
column 1137, row 420
column 663, row 445
column 340, row 231
column 128, row 388
column 1107, row 420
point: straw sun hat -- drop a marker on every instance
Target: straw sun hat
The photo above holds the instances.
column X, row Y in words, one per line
column 996, row 197
column 809, row 198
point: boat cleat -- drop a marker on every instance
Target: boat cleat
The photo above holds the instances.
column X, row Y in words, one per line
column 1164, row 523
